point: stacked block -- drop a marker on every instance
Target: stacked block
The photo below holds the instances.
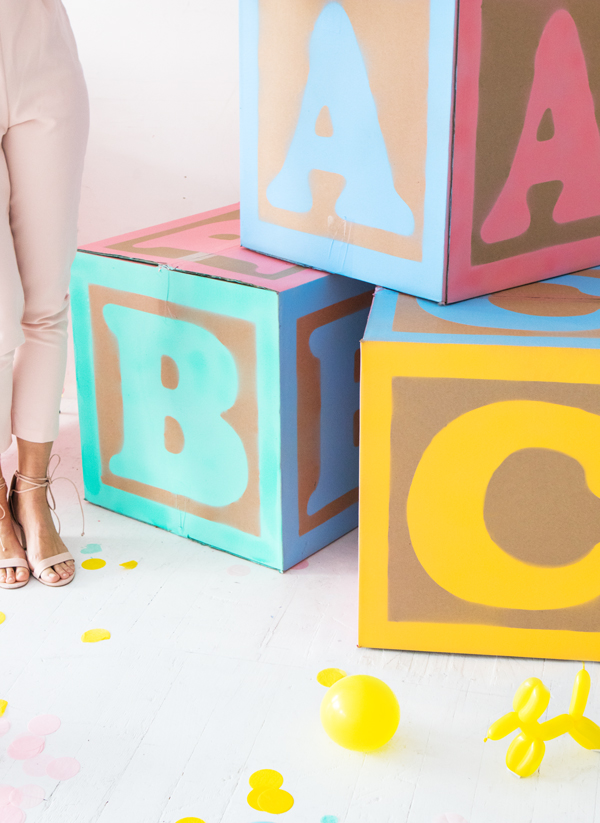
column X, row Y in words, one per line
column 218, row 388
column 441, row 149
column 480, row 472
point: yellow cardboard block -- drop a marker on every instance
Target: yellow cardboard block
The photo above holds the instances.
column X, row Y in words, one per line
column 480, row 473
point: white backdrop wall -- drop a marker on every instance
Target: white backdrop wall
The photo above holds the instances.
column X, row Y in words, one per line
column 163, row 83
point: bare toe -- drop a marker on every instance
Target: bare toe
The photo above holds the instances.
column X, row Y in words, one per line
column 22, row 574
column 10, row 575
column 63, row 570
column 2, row 575
column 50, row 576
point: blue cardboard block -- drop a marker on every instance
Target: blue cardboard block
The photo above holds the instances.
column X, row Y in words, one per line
column 218, row 389
column 346, row 129
column 439, row 148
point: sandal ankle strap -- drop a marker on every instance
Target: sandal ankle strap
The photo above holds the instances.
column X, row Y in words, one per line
column 46, row 483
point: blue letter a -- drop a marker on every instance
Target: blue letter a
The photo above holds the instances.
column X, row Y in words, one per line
column 356, row 150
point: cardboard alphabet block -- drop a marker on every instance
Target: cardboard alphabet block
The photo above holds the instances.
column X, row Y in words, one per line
column 441, row 149
column 480, row 472
column 218, row 389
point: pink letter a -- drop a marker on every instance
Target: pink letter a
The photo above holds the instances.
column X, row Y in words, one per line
column 572, row 155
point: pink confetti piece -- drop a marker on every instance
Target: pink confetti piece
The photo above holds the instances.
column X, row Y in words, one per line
column 26, row 746
column 31, row 796
column 36, row 767
column 15, row 797
column 44, row 724
column 5, row 793
column 303, row 564
column 4, row 726
column 11, row 814
column 239, row 571
column 63, row 768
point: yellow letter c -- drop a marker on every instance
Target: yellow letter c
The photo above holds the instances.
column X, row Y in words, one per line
column 446, row 503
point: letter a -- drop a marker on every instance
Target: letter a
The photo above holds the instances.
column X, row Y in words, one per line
column 356, row 149
column 571, row 155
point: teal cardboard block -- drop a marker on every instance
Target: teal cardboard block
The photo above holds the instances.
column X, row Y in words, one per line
column 439, row 148
column 218, row 388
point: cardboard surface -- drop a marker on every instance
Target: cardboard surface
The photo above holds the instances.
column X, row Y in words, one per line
column 480, row 489
column 206, row 244
column 321, row 327
column 526, row 164
column 361, row 125
column 346, row 116
column 564, row 311
column 215, row 409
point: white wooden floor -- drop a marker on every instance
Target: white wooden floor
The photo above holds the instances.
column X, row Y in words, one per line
column 210, row 675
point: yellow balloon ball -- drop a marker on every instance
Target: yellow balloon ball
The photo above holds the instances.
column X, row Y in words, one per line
column 360, row 712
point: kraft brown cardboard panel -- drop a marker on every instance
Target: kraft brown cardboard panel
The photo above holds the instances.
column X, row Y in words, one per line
column 424, row 406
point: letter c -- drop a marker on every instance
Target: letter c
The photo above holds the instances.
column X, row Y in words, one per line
column 445, row 507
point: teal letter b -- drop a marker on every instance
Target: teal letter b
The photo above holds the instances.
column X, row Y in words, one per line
column 211, row 467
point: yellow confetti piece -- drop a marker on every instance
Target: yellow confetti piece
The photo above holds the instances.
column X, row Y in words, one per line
column 193, row 819
column 93, row 563
column 253, row 800
column 2, row 617
column 275, row 801
column 95, row 635
column 328, row 677
column 266, row 779
column 3, row 706
column 131, row 564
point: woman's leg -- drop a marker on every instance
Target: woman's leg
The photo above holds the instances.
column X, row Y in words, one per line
column 9, row 544
column 33, row 512
column 44, row 149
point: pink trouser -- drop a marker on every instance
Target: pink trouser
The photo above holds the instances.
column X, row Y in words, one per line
column 43, row 128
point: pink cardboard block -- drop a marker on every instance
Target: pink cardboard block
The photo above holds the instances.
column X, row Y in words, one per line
column 207, row 244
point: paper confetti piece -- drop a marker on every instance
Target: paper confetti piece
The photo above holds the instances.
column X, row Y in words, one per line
column 190, row 820
column 3, row 706
column 2, row 617
column 15, row 797
column 63, row 768
column 31, row 796
column 239, row 571
column 5, row 793
column 11, row 814
column 328, row 677
column 36, row 767
column 4, row 726
column 92, row 548
column 44, row 724
column 329, row 818
column 275, row 801
column 26, row 746
column 253, row 800
column 131, row 564
column 93, row 563
column 303, row 564
column 95, row 635
column 266, row 779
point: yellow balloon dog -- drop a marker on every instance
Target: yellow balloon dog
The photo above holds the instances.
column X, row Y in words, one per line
column 531, row 699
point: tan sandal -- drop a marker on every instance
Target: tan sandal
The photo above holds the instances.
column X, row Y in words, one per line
column 12, row 562
column 41, row 483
